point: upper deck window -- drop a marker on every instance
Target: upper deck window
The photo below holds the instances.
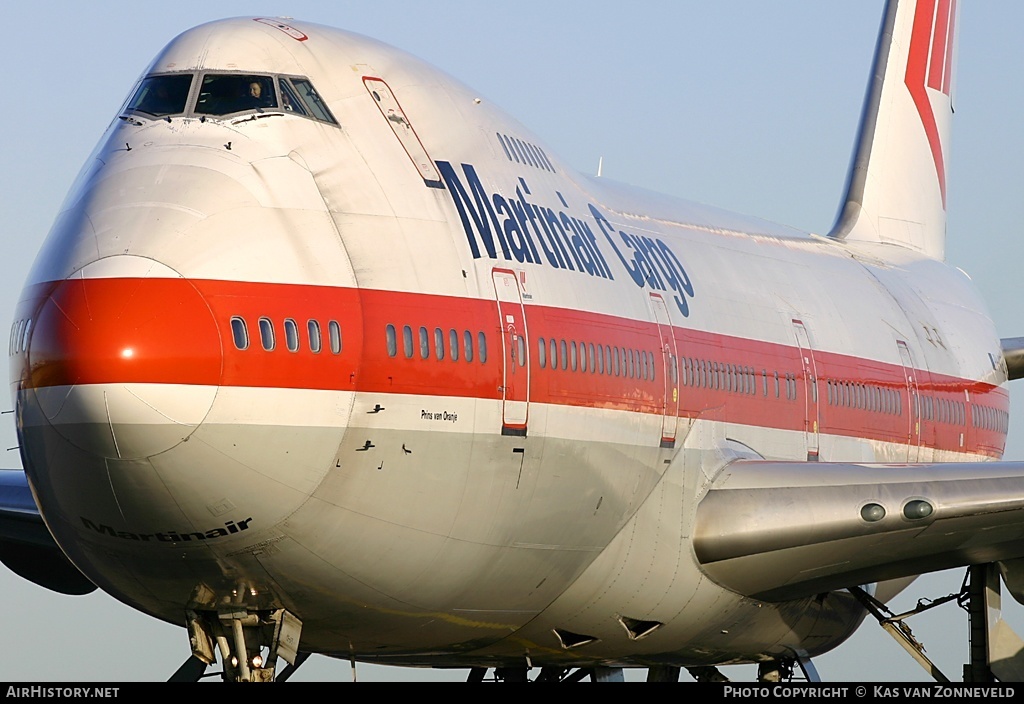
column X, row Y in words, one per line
column 162, row 95
column 222, row 94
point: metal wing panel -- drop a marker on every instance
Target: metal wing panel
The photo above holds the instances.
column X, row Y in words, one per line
column 26, row 546
column 783, row 530
column 1013, row 356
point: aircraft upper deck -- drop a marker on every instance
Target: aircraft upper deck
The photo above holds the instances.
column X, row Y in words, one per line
column 295, row 66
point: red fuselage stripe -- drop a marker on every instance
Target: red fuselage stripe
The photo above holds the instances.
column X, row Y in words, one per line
column 720, row 376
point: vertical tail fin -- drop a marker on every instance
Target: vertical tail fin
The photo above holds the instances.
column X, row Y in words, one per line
column 896, row 188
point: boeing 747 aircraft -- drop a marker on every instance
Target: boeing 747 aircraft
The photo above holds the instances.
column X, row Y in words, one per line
column 325, row 353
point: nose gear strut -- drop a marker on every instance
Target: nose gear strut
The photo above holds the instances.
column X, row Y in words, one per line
column 249, row 643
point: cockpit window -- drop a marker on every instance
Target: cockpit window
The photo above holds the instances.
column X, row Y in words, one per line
column 162, row 95
column 227, row 94
column 290, row 100
column 222, row 94
column 309, row 96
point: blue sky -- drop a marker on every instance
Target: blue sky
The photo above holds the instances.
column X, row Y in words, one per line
column 747, row 105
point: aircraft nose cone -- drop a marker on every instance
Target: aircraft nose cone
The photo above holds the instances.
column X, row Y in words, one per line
column 125, row 358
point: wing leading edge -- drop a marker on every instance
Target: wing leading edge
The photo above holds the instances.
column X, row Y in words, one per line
column 786, row 530
column 26, row 546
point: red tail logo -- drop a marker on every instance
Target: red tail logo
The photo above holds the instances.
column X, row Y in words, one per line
column 931, row 58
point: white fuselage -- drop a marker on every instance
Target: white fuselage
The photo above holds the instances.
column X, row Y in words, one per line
column 421, row 507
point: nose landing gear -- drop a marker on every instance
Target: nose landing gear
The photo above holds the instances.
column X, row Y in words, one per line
column 248, row 642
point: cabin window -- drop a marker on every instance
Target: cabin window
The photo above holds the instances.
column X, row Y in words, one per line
column 542, row 353
column 439, row 343
column 407, row 341
column 525, row 152
column 424, row 343
column 453, row 344
column 391, row 339
column 572, row 355
column 313, row 334
column 239, row 333
column 482, row 347
column 590, row 349
column 160, row 96
column 267, row 334
column 291, row 335
column 501, row 141
column 521, row 347
column 467, row 345
column 334, row 332
column 25, row 335
column 223, row 94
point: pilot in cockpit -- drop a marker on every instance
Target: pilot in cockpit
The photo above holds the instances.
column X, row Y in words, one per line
column 255, row 90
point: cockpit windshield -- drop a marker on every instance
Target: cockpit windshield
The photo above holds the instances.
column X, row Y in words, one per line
column 162, row 95
column 222, row 94
column 227, row 94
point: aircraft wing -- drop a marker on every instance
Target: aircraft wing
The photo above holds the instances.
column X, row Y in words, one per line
column 26, row 546
column 785, row 530
column 1013, row 356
